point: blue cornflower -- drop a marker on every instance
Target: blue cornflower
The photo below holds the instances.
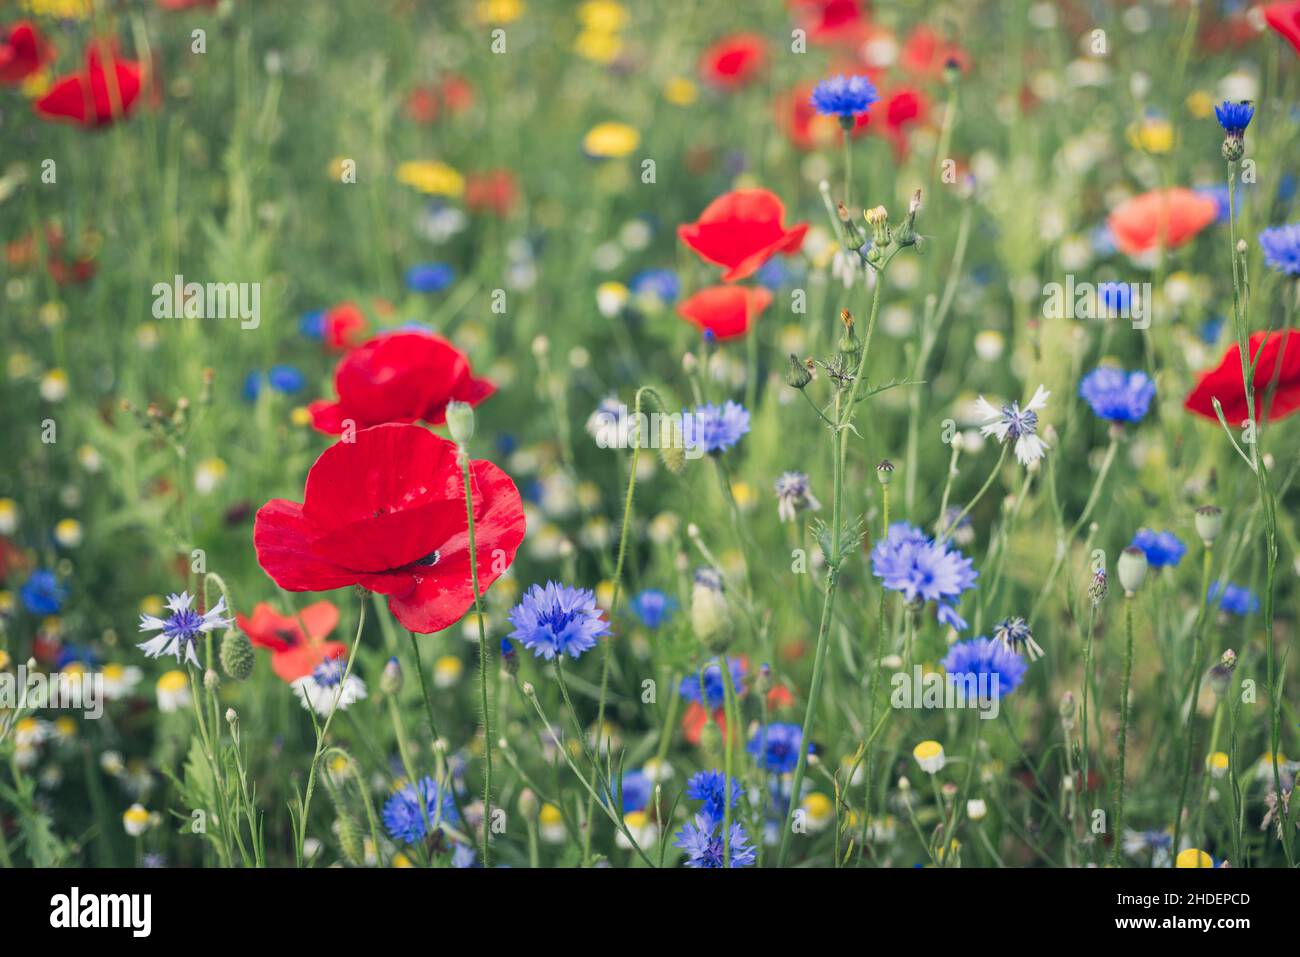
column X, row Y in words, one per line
column 283, row 378
column 429, row 277
column 704, row 847
column 1237, row 599
column 777, row 746
column 1116, row 395
column 180, row 631
column 653, row 607
column 1160, row 548
column 906, row 561
column 554, row 619
column 1281, row 246
column 1115, row 297
column 404, row 817
column 714, row 690
column 989, row 661
column 78, row 654
column 659, row 284
column 715, row 428
column 844, row 96
column 709, row 787
column 42, row 594
column 1234, row 117
column 312, row 324
column 637, row 789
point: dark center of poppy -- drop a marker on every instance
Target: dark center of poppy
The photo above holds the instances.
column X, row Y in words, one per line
column 428, row 560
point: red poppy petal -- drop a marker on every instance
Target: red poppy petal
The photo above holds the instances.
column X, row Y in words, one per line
column 319, row 619
column 284, row 540
column 301, row 660
column 1285, row 19
column 726, row 311
column 444, row 594
column 65, row 100
column 1279, row 361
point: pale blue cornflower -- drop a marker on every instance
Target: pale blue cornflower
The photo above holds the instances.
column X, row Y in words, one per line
column 1011, row 423
column 181, row 630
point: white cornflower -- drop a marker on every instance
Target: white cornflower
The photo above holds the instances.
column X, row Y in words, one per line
column 329, row 687
column 1011, row 422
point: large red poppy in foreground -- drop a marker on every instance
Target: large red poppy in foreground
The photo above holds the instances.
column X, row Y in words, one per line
column 387, row 512
column 399, row 377
column 742, row 230
column 23, row 51
column 1173, row 216
column 725, row 311
column 1285, row 19
column 1280, row 360
column 296, row 642
column 104, row 91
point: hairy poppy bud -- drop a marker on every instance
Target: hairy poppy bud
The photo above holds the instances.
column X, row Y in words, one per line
column 236, row 655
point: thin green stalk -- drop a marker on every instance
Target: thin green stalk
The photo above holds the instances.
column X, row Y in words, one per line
column 1123, row 726
column 482, row 661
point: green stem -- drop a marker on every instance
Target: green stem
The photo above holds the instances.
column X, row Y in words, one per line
column 1118, row 838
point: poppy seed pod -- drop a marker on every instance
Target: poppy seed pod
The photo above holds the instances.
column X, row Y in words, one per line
column 1132, row 569
column 885, row 472
column 1209, row 522
column 672, row 445
column 236, row 655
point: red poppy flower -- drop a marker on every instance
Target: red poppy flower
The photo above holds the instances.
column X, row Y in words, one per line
column 1172, row 215
column 925, row 54
column 422, row 105
column 399, row 377
column 97, row 96
column 902, row 108
column 780, row 697
column 725, row 311
column 1278, row 370
column 387, row 512
column 296, row 642
column 492, row 192
column 832, row 21
column 1285, row 19
column 341, row 326
column 185, row 4
column 23, row 52
column 742, row 230
column 694, row 720
column 734, row 60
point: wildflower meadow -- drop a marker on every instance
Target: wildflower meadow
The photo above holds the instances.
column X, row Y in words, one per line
column 818, row 434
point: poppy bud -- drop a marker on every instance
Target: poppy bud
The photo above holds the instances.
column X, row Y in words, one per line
column 798, row 376
column 709, row 617
column 460, row 422
column 672, row 445
column 1209, row 522
column 390, row 680
column 1132, row 570
column 212, row 680
column 350, row 840
column 711, row 737
column 236, row 655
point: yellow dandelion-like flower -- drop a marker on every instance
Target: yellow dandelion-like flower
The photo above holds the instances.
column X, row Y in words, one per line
column 598, row 47
column 929, row 755
column 602, row 16
column 1192, row 857
column 432, row 178
column 500, row 11
column 610, row 140
column 679, row 91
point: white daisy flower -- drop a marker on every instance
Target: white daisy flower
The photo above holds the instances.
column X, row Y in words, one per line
column 181, row 629
column 1012, row 423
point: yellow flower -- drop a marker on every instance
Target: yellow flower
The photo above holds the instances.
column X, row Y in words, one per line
column 1217, row 763
column 52, row 314
column 500, row 11
column 8, row 515
column 208, row 475
column 447, row 671
column 20, row 365
column 54, row 385
column 136, row 820
column 818, row 808
column 610, row 140
column 59, row 9
column 744, row 494
column 431, row 177
column 1193, row 858
column 598, row 47
column 1153, row 135
column 679, row 91
column 300, row 416
column 151, row 605
column 602, row 16
column 1200, row 104
column 68, row 533
column 6, row 606
column 929, row 755
column 401, row 860
column 4, row 658
column 36, row 84
column 65, row 727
